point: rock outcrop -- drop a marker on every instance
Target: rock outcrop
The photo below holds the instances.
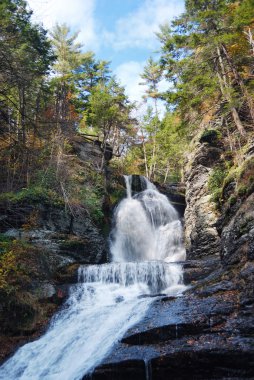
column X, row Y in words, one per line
column 74, row 237
column 50, row 240
column 201, row 216
column 237, row 233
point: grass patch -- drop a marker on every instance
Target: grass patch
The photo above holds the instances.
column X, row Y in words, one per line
column 243, row 176
column 32, row 195
column 92, row 201
column 215, row 183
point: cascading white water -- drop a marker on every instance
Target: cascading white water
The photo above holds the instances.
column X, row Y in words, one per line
column 128, row 183
column 147, row 228
column 108, row 300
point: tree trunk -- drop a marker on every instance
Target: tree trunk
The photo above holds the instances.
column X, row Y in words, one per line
column 239, row 81
column 166, row 174
column 144, row 151
column 225, row 90
column 250, row 40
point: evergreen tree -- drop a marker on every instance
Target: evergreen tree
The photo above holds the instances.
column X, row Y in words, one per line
column 67, row 50
column 25, row 57
column 87, row 75
column 109, row 114
column 152, row 76
column 205, row 52
column 68, row 53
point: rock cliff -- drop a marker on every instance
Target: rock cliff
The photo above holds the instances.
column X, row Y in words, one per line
column 43, row 240
column 202, row 238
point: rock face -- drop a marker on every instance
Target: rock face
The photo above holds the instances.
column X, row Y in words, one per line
column 75, row 238
column 55, row 241
column 202, row 238
column 237, row 234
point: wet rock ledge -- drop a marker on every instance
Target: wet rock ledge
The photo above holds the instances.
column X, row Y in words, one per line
column 205, row 334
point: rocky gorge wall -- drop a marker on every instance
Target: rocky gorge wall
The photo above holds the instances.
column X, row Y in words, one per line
column 222, row 227
column 225, row 231
column 43, row 240
column 201, row 236
column 205, row 334
column 208, row 332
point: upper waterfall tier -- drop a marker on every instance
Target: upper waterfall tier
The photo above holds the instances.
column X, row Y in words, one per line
column 147, row 227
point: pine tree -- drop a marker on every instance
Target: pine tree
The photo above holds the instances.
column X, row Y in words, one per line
column 204, row 52
column 69, row 56
column 25, row 57
column 109, row 114
column 152, row 76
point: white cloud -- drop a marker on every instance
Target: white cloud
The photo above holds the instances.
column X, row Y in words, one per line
column 129, row 75
column 78, row 14
column 137, row 29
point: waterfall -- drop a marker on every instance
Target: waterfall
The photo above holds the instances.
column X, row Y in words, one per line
column 147, row 227
column 107, row 300
column 128, row 183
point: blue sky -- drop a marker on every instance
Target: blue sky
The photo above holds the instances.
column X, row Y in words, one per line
column 121, row 31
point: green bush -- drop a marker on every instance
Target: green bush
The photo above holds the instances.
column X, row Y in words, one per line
column 232, row 200
column 216, row 178
column 32, row 194
column 46, row 178
column 216, row 196
column 216, row 181
column 242, row 190
column 5, row 239
column 13, row 265
column 92, row 201
column 210, row 136
column 5, row 243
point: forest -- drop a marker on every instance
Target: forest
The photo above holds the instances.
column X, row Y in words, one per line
column 56, row 96
column 51, row 90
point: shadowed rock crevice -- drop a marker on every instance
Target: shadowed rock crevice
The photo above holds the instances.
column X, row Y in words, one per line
column 207, row 364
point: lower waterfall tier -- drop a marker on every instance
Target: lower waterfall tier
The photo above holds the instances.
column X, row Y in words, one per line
column 101, row 308
column 157, row 276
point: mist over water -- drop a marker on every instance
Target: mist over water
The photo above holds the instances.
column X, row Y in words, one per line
column 145, row 246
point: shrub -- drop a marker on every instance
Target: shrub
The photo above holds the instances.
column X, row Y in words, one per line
column 242, row 190
column 13, row 266
column 215, row 183
column 210, row 136
column 31, row 195
column 216, row 178
column 232, row 200
column 92, row 201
